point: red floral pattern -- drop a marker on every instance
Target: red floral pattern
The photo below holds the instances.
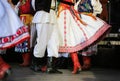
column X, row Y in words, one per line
column 6, row 42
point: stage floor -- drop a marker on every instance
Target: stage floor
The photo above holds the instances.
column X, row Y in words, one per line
column 95, row 74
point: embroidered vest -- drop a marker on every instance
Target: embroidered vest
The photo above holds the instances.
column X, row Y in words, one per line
column 25, row 7
column 43, row 5
column 85, row 6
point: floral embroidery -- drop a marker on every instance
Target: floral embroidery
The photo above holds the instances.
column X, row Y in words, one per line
column 23, row 2
column 85, row 6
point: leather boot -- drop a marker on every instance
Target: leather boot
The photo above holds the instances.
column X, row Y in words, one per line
column 76, row 63
column 26, row 59
column 5, row 69
column 38, row 65
column 51, row 66
column 86, row 63
column 35, row 65
column 62, row 63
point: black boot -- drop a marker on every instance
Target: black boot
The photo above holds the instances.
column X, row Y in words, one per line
column 51, row 66
column 35, row 65
column 61, row 63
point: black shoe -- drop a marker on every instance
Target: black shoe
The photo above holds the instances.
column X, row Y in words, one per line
column 35, row 68
column 53, row 71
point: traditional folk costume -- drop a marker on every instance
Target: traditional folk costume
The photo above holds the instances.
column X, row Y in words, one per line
column 12, row 32
column 89, row 7
column 44, row 20
column 12, row 29
column 25, row 12
column 76, row 30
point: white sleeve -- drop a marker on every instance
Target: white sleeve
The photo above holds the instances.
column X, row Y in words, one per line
column 17, row 7
column 76, row 5
column 33, row 4
column 97, row 7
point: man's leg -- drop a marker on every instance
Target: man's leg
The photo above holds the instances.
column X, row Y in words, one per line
column 52, row 49
column 43, row 35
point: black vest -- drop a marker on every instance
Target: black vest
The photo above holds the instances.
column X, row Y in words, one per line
column 43, row 5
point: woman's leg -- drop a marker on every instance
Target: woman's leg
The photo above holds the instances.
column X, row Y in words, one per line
column 5, row 69
column 76, row 63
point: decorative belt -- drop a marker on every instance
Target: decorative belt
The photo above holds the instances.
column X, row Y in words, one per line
column 68, row 3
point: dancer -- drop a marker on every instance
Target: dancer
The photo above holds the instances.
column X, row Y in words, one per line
column 89, row 7
column 76, row 30
column 12, row 32
column 97, row 9
column 44, row 20
column 26, row 14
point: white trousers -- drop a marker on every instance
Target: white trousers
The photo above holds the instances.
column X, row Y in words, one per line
column 46, row 38
column 53, row 44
